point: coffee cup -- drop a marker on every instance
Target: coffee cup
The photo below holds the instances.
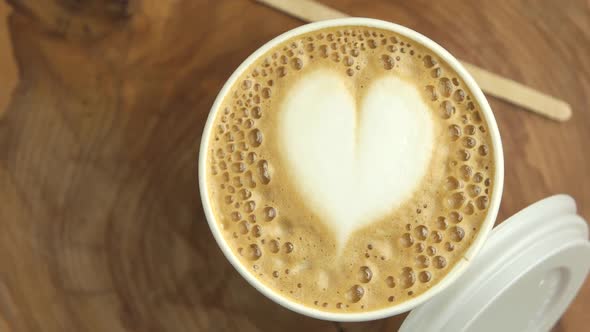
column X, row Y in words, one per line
column 299, row 98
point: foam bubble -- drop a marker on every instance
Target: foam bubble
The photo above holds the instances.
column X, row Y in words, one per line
column 445, row 87
column 225, row 177
column 473, row 190
column 454, row 132
column 459, row 96
column 365, row 274
column 439, row 262
column 355, row 293
column 406, row 240
column 463, row 155
column 425, row 276
column 255, row 137
column 446, row 109
column 422, row 261
column 236, row 216
column 270, row 213
column 419, row 247
column 477, row 177
column 238, row 167
column 466, row 171
column 249, row 206
column 263, row 172
column 390, row 281
column 253, row 252
column 436, row 73
column 421, row 232
column 248, row 178
column 483, row 150
column 244, row 227
column 288, row 247
column 456, row 233
column 436, row 237
column 469, row 130
column 429, row 62
column 455, row 200
column 388, row 62
column 274, row 246
column 431, row 251
column 336, row 57
column 451, row 183
column 251, row 158
column 297, row 63
column 482, row 202
column 441, row 223
column 455, row 217
column 244, row 194
column 237, row 182
column 348, row 61
column 431, row 93
column 407, row 277
column 256, row 231
column 229, row 199
column 469, row 209
column 324, row 51
column 449, row 246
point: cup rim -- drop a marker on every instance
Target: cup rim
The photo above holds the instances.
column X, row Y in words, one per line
column 459, row 267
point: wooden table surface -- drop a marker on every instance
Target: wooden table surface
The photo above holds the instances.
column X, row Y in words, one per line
column 101, row 227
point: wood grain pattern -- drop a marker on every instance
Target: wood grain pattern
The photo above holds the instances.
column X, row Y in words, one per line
column 101, row 227
column 8, row 67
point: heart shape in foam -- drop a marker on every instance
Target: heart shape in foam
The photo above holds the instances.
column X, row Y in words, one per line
column 355, row 160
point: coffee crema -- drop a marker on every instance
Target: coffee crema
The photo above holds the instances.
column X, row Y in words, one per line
column 349, row 169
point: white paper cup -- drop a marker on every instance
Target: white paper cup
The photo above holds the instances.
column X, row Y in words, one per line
column 456, row 271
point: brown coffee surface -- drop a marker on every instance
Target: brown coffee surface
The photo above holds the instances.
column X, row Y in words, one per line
column 283, row 242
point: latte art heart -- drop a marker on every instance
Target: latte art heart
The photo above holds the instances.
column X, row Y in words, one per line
column 355, row 160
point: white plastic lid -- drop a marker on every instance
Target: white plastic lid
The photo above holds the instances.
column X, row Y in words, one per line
column 527, row 273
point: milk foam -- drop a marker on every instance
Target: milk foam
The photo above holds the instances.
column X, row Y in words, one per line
column 356, row 155
column 349, row 169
